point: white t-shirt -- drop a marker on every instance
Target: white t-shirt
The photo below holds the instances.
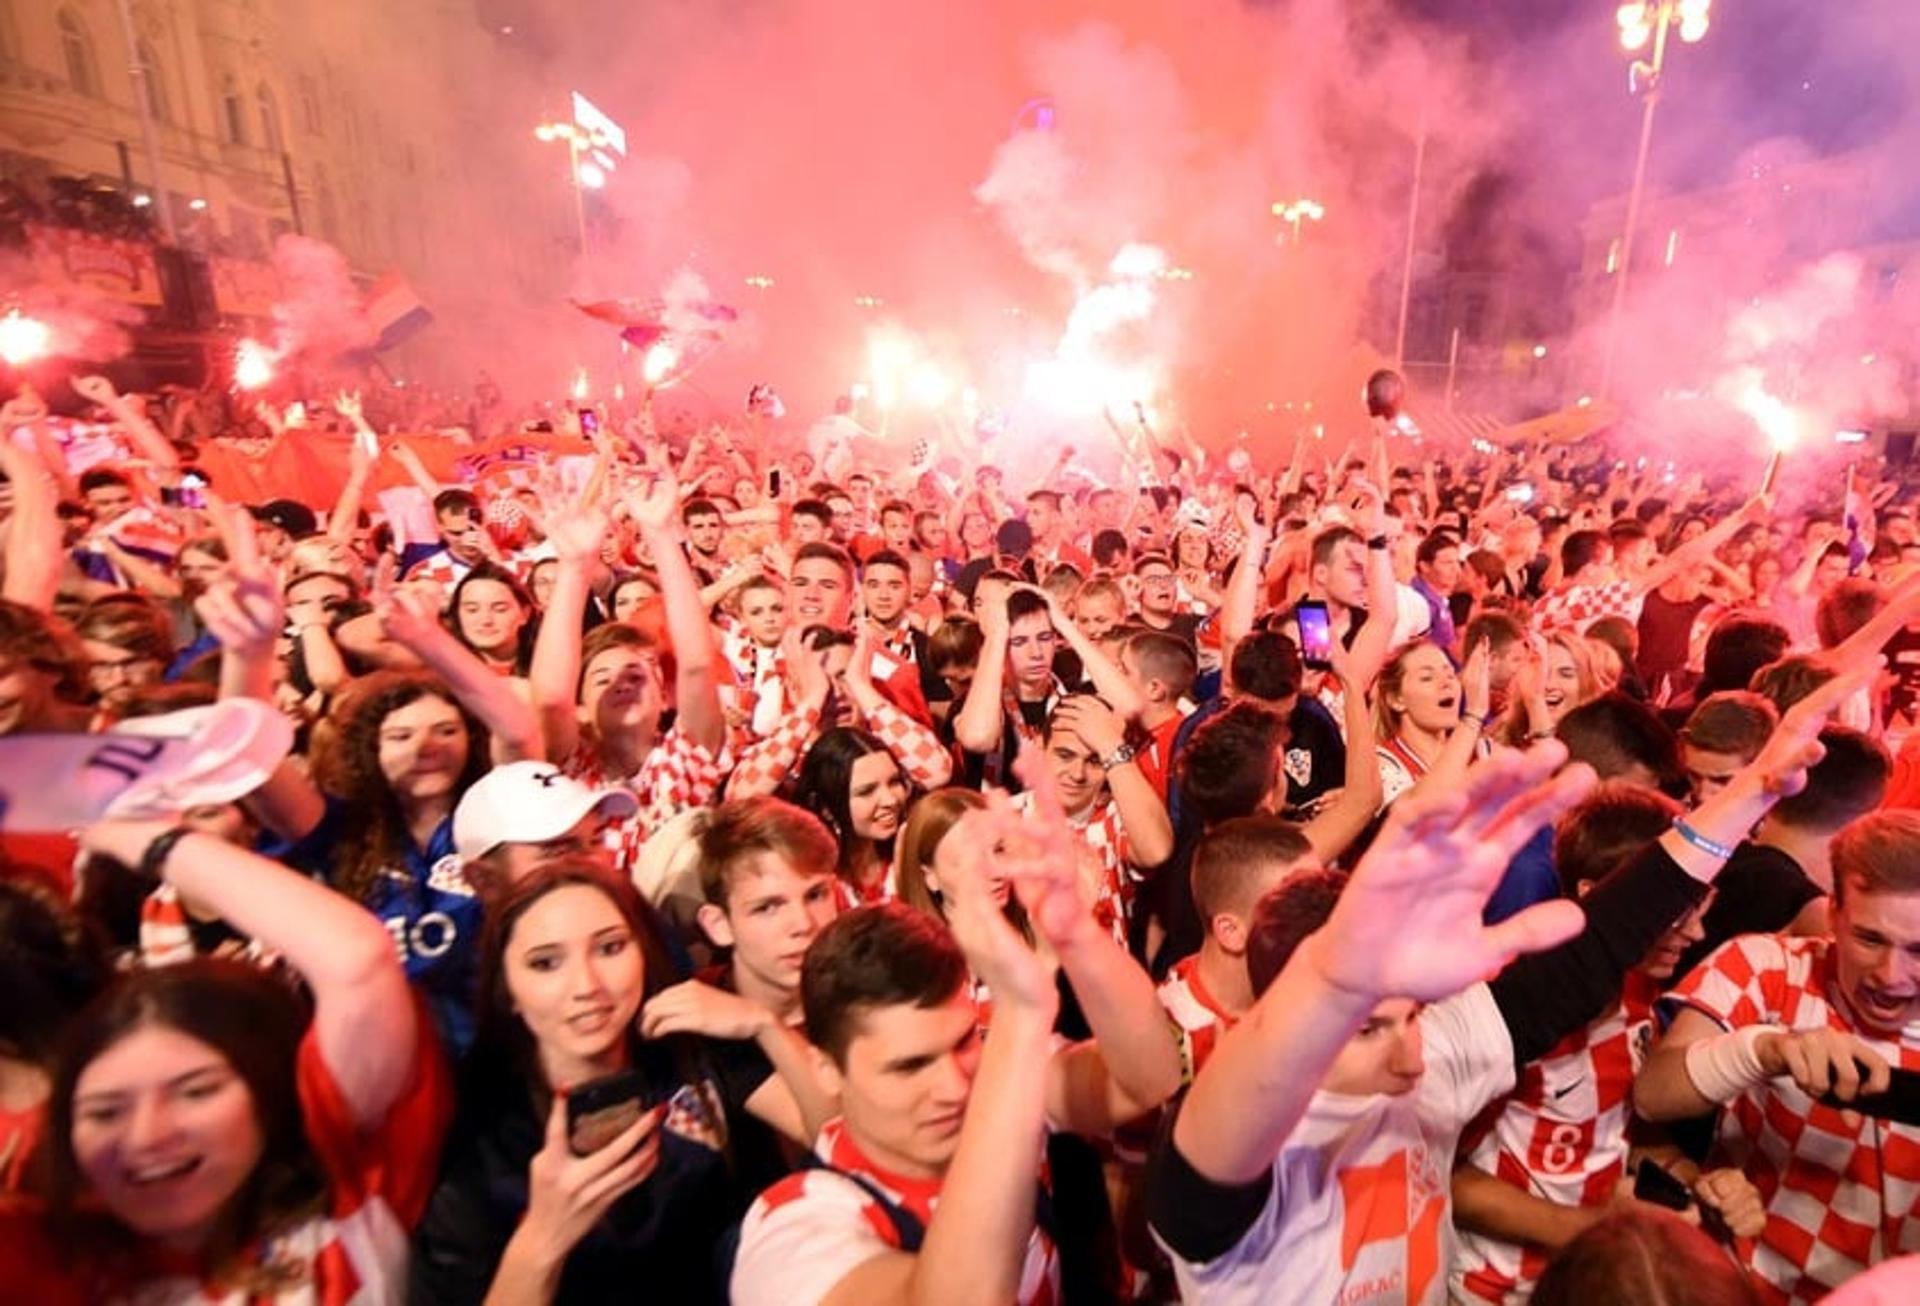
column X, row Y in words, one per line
column 1360, row 1208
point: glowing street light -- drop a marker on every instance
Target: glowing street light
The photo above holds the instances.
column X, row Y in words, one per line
column 1297, row 211
column 23, row 339
column 591, row 136
column 1640, row 22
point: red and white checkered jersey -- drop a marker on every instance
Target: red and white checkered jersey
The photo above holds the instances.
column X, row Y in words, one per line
column 1579, row 606
column 1361, row 1206
column 676, row 775
column 850, row 895
column 814, row 1227
column 1107, row 875
column 1839, row 1197
column 442, row 568
column 1560, row 1135
column 765, row 765
column 1198, row 1018
column 758, row 691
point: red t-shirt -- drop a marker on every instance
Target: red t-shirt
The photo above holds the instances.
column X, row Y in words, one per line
column 353, row 1252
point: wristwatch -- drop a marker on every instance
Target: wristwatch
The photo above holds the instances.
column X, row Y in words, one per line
column 1377, row 542
column 1119, row 756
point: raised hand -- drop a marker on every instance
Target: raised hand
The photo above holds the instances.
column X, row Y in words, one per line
column 347, row 404
column 1734, row 1198
column 655, row 505
column 807, row 667
column 243, row 607
column 1408, row 924
column 1099, row 727
column 408, row 612
column 23, row 409
column 1476, row 681
column 1795, row 745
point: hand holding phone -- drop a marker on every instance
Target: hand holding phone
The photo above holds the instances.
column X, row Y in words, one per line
column 568, row 1192
column 602, row 1109
column 1316, row 635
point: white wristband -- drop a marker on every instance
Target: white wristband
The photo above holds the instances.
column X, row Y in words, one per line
column 1727, row 1065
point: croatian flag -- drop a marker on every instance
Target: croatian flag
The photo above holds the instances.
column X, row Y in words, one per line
column 394, row 311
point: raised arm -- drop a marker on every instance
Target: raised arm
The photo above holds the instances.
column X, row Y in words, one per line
column 244, row 610
column 696, row 693
column 33, row 552
column 1143, row 814
column 345, row 517
column 131, row 418
column 553, row 673
column 1242, row 603
column 1109, row 681
column 409, row 615
column 1407, row 925
column 364, row 1018
column 1132, row 1062
column 1705, row 544
column 978, row 723
column 1335, row 828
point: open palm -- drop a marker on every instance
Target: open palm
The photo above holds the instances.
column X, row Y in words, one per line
column 1408, row 923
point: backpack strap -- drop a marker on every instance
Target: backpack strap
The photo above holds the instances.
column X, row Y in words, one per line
column 907, row 1228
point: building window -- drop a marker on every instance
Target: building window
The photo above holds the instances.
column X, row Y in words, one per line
column 83, row 73
column 153, row 86
column 233, row 112
column 310, row 106
column 269, row 118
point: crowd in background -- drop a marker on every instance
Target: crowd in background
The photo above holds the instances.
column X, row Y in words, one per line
column 791, row 866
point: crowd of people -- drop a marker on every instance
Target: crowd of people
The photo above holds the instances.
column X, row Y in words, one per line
column 780, row 868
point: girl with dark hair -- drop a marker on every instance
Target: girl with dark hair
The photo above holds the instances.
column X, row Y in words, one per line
column 572, row 962
column 205, row 1138
column 401, row 749
column 492, row 614
column 853, row 783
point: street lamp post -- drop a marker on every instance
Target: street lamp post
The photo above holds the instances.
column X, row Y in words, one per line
column 1296, row 212
column 1642, row 21
column 579, row 141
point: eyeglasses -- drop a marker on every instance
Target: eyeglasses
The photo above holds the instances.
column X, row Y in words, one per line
column 119, row 669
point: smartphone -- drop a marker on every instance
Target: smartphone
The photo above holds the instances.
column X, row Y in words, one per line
column 1316, row 635
column 190, row 493
column 589, row 422
column 1900, row 1103
column 1653, row 1183
column 773, row 482
column 600, row 1110
column 1521, row 493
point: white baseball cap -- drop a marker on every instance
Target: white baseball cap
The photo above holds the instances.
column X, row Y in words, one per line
column 528, row 802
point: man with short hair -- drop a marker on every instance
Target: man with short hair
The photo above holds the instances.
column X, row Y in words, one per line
column 767, row 878
column 1051, row 547
column 886, row 591
column 930, row 1174
column 1594, row 587
column 1159, row 587
column 811, row 523
column 1309, row 1162
column 1723, row 734
column 896, row 526
column 1780, row 877
column 1098, row 607
column 522, row 814
column 1161, row 668
column 705, row 528
column 1436, row 576
column 463, row 544
column 1769, row 1026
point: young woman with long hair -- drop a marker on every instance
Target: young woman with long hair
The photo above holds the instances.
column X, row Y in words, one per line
column 206, row 1138
column 1429, row 719
column 855, row 785
column 492, row 614
column 574, row 977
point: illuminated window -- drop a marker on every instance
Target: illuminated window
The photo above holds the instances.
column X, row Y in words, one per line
column 1613, row 256
column 1673, row 245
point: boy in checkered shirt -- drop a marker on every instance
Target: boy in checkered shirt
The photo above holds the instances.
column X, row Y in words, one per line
column 1310, row 1160
column 1550, row 1159
column 1605, row 581
column 1768, row 1025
